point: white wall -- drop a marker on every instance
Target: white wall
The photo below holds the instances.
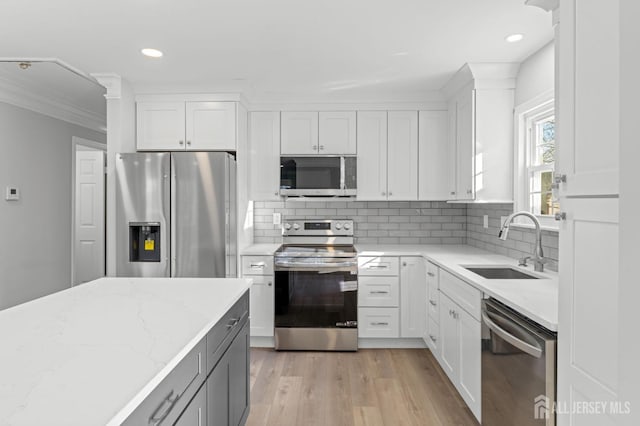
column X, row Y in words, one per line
column 536, row 75
column 629, row 288
column 35, row 232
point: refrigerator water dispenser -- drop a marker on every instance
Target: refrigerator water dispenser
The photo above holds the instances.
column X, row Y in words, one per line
column 144, row 242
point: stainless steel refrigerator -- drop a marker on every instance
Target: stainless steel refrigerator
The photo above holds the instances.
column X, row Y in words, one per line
column 176, row 214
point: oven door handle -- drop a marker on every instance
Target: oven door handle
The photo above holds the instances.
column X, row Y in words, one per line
column 319, row 266
column 509, row 338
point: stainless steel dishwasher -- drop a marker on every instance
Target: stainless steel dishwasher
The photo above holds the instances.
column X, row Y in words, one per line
column 518, row 368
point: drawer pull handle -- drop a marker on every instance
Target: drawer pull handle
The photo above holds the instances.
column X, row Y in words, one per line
column 377, row 266
column 433, row 302
column 379, row 323
column 433, row 339
column 378, row 292
column 258, row 265
column 233, row 322
column 163, row 409
column 431, row 274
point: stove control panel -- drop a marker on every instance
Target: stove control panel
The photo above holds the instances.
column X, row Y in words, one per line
column 319, row 227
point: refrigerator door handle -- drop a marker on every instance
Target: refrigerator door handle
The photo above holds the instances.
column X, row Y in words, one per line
column 172, row 221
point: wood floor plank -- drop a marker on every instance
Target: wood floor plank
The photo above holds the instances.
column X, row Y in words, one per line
column 380, row 387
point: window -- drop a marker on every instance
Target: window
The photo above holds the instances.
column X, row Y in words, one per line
column 535, row 159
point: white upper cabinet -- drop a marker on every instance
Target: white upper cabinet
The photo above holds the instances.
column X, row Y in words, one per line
column 372, row 155
column 588, row 130
column 160, row 126
column 264, row 156
column 299, row 133
column 481, row 132
column 180, row 125
column 324, row 133
column 433, row 151
column 337, row 133
column 402, row 155
column 211, row 125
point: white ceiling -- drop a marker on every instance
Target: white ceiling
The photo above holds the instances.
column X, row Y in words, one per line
column 277, row 49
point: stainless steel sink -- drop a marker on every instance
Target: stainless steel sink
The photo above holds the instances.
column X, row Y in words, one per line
column 500, row 273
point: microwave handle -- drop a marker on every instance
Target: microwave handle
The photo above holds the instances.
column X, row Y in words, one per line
column 342, row 174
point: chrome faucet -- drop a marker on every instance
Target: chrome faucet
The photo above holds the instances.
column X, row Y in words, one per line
column 539, row 259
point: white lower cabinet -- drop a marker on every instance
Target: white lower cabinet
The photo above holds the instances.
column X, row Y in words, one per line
column 412, row 295
column 432, row 310
column 460, row 351
column 378, row 322
column 262, row 294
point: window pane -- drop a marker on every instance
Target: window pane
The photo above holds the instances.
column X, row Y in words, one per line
column 545, row 141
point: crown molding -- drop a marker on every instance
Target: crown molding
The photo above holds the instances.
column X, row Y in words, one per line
column 110, row 81
column 21, row 97
column 487, row 75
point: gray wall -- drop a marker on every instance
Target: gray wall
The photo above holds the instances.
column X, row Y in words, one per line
column 536, row 75
column 35, row 232
column 520, row 242
column 394, row 222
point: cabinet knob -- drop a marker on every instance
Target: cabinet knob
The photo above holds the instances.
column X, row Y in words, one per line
column 189, row 143
column 469, row 191
column 384, row 193
column 276, row 194
column 321, row 147
column 433, row 339
column 431, row 274
column 390, row 193
column 181, row 142
column 269, row 283
column 404, row 263
column 452, row 193
column 315, row 147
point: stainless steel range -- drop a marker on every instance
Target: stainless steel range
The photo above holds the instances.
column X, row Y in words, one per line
column 316, row 287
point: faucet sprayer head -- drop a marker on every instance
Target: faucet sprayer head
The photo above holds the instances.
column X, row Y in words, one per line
column 504, row 231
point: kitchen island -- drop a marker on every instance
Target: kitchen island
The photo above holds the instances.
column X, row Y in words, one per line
column 99, row 353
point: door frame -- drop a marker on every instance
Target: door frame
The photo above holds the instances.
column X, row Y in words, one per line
column 75, row 142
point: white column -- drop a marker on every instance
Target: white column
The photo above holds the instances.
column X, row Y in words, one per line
column 121, row 134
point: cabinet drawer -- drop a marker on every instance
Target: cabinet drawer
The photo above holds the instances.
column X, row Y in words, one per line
column 378, row 322
column 173, row 394
column 378, row 266
column 433, row 299
column 378, row 291
column 433, row 337
column 223, row 332
column 257, row 265
column 465, row 295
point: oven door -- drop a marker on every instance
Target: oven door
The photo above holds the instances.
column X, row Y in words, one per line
column 312, row 293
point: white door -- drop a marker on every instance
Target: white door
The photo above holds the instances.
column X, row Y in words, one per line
column 588, row 119
column 588, row 305
column 402, row 155
column 262, row 305
column 372, row 155
column 337, row 132
column 211, row 126
column 264, row 156
column 433, row 150
column 160, row 126
column 470, row 360
column 89, row 244
column 413, row 293
column 465, row 145
column 449, row 339
column 299, row 133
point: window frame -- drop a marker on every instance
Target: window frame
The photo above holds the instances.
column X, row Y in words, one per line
column 525, row 115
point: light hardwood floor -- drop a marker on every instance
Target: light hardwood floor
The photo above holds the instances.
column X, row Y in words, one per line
column 380, row 387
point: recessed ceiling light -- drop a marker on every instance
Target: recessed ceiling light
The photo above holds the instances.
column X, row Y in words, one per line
column 514, row 38
column 152, row 53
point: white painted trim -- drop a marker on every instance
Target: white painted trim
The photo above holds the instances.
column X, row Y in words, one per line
column 57, row 61
column 262, row 342
column 75, row 141
column 381, row 343
column 27, row 99
column 111, row 82
column 189, row 97
column 499, row 75
column 435, row 105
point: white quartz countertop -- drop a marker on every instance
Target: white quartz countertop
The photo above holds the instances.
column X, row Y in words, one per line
column 534, row 298
column 264, row 249
column 90, row 354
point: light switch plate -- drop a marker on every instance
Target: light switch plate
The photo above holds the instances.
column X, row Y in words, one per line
column 277, row 218
column 12, row 193
column 485, row 220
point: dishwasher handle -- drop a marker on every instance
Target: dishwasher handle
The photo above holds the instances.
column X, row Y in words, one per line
column 508, row 337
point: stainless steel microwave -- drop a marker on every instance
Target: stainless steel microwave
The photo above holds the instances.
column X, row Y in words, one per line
column 331, row 176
